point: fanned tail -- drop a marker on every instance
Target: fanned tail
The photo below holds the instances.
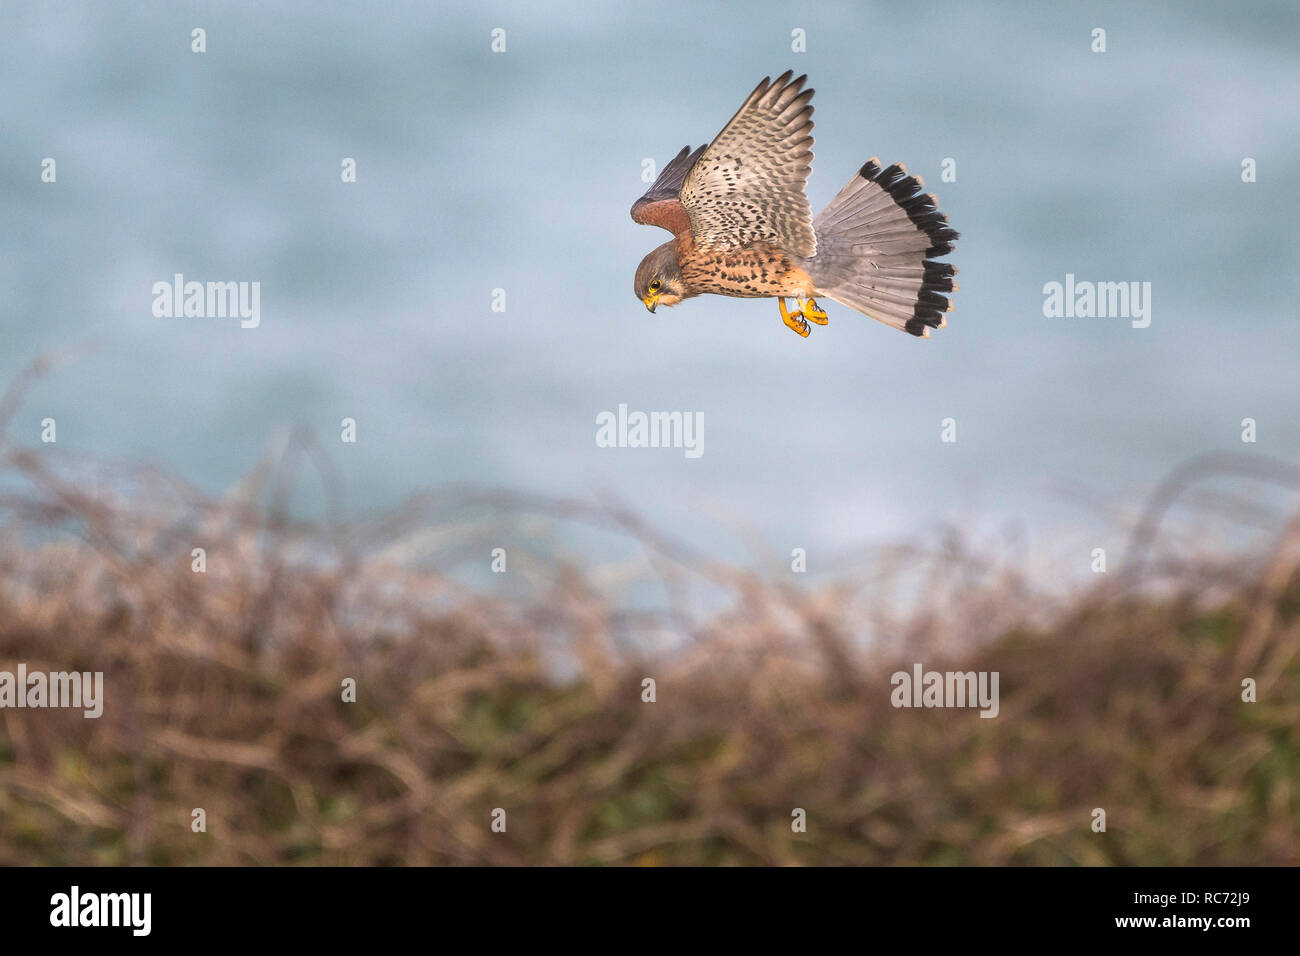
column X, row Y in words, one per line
column 876, row 242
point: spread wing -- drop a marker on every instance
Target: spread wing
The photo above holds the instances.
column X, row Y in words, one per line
column 748, row 184
column 660, row 205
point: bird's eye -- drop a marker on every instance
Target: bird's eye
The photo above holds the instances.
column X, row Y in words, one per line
column 655, row 286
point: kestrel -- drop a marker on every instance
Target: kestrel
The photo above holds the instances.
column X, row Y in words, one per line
column 742, row 225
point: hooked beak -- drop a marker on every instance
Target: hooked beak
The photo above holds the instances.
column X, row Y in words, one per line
column 651, row 301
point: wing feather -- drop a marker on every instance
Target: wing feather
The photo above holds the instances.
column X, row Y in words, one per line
column 660, row 205
column 748, row 184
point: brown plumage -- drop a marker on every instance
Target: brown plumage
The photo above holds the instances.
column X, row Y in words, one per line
column 742, row 225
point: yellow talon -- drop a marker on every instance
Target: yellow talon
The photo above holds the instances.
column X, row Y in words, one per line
column 812, row 313
column 793, row 320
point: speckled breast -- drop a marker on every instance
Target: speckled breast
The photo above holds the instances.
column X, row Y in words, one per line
column 756, row 271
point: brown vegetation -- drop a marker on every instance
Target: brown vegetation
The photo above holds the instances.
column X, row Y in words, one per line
column 223, row 692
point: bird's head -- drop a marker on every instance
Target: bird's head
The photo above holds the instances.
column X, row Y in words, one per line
column 659, row 278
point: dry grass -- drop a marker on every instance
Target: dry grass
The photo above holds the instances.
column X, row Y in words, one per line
column 223, row 692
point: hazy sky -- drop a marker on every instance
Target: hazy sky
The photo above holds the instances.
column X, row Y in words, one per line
column 480, row 171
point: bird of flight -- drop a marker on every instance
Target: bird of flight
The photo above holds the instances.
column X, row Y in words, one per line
column 742, row 225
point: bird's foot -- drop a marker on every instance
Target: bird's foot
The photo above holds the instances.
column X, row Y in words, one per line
column 813, row 313
column 793, row 320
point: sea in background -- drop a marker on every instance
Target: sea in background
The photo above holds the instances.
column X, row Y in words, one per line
column 480, row 171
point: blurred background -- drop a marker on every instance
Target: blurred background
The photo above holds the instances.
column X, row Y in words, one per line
column 481, row 171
